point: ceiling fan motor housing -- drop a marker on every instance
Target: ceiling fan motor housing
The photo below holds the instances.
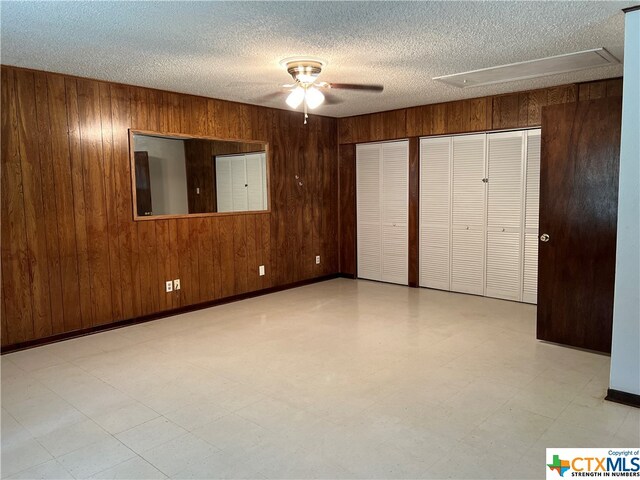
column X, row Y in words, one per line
column 304, row 71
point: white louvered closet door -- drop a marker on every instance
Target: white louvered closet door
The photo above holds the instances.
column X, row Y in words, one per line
column 435, row 210
column 224, row 198
column 368, row 201
column 256, row 181
column 239, row 183
column 532, row 205
column 505, row 161
column 468, row 214
column 395, row 206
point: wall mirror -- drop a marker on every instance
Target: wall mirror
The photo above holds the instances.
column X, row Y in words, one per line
column 175, row 175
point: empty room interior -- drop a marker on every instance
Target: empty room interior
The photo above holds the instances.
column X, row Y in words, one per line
column 320, row 240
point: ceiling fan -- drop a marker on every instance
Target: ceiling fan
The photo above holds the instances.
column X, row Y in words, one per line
column 307, row 90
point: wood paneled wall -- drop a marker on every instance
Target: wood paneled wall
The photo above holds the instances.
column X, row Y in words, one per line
column 73, row 258
column 513, row 110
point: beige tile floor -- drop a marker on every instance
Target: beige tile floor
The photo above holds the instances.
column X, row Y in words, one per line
column 341, row 379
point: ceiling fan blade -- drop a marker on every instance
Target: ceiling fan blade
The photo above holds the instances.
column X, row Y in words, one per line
column 331, row 99
column 358, row 86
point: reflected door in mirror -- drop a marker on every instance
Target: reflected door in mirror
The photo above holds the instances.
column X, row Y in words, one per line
column 143, row 184
column 241, row 182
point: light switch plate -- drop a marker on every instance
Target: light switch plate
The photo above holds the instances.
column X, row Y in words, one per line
column 317, row 259
column 168, row 286
column 261, row 270
column 176, row 284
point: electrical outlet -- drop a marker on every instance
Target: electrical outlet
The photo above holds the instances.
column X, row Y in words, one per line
column 261, row 270
column 317, row 259
column 176, row 284
column 168, row 286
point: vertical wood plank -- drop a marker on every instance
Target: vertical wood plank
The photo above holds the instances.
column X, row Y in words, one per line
column 227, row 253
column 475, row 115
column 454, row 117
column 127, row 229
column 614, row 87
column 63, row 181
column 347, row 211
column 33, row 204
column 438, row 119
column 506, row 109
column 109, row 169
column 79, row 202
column 206, row 275
column 49, row 203
column 17, row 294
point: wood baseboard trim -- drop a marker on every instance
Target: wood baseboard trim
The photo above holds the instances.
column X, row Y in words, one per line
column 625, row 398
column 347, row 275
column 155, row 316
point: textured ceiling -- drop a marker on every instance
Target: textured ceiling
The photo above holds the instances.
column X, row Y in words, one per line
column 231, row 50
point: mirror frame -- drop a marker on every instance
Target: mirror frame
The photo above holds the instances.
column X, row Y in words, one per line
column 150, row 133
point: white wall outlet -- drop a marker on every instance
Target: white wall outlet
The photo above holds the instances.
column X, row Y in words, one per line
column 168, row 285
column 176, row 284
column 317, row 259
column 261, row 270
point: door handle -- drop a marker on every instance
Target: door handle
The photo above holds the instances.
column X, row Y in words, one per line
column 544, row 237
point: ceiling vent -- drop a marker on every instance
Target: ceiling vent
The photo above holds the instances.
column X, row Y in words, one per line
column 569, row 62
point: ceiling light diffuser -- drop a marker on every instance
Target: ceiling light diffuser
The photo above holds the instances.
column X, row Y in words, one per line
column 314, row 97
column 296, row 97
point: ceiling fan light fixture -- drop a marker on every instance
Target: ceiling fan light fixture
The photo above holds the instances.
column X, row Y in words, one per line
column 314, row 97
column 296, row 97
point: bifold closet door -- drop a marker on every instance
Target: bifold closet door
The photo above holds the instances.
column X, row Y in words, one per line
column 395, row 212
column 435, row 212
column 532, row 206
column 468, row 214
column 505, row 163
column 382, row 179
column 369, row 234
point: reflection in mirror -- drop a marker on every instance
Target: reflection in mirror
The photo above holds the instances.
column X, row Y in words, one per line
column 181, row 176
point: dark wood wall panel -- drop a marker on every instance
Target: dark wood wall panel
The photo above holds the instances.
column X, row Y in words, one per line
column 513, row 110
column 347, row 194
column 73, row 258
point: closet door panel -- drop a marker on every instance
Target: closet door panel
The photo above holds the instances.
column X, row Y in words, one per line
column 467, row 260
column 434, row 257
column 369, row 252
column 468, row 214
column 435, row 212
column 503, row 270
column 505, row 162
column 369, row 235
column 530, row 280
column 468, row 187
column 395, row 266
column 395, row 182
column 532, row 183
column 255, row 181
column 504, row 172
column 224, row 198
column 239, row 183
column 532, row 208
column 395, row 211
